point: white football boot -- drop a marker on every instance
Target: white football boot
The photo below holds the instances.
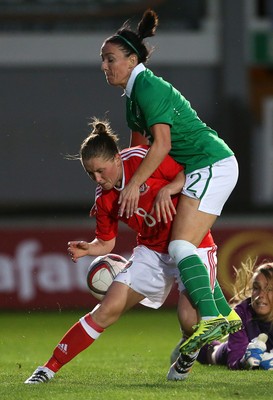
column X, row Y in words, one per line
column 40, row 375
column 181, row 368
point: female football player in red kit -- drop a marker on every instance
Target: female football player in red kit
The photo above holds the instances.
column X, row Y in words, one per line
column 151, row 272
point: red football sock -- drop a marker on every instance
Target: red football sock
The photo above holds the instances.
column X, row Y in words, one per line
column 77, row 339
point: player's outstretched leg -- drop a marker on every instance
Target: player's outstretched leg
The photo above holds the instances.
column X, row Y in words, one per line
column 78, row 338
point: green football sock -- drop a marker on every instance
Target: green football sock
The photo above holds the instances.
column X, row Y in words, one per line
column 220, row 300
column 195, row 277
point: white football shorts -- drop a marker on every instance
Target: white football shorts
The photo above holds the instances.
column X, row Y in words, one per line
column 212, row 185
column 153, row 274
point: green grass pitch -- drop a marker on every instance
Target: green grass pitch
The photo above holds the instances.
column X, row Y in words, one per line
column 129, row 361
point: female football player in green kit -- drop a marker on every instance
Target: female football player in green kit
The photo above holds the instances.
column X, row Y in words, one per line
column 158, row 113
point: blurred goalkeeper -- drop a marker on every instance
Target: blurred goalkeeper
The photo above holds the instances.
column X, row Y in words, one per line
column 151, row 272
column 251, row 347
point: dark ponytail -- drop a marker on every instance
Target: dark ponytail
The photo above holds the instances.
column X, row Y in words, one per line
column 148, row 24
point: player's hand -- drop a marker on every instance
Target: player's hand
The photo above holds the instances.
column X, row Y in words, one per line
column 163, row 206
column 267, row 361
column 77, row 249
column 128, row 200
column 255, row 351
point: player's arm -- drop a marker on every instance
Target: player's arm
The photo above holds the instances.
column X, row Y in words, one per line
column 176, row 185
column 137, row 139
column 98, row 247
column 161, row 146
column 163, row 205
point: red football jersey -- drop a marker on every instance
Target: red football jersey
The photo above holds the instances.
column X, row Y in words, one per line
column 154, row 235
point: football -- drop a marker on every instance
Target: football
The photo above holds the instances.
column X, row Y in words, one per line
column 101, row 273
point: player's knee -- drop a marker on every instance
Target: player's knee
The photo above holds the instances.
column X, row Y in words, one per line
column 179, row 249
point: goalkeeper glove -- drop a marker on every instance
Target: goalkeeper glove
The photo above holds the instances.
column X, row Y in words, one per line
column 254, row 352
column 267, row 361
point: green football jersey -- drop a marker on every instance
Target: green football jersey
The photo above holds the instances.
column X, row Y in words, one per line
column 155, row 101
